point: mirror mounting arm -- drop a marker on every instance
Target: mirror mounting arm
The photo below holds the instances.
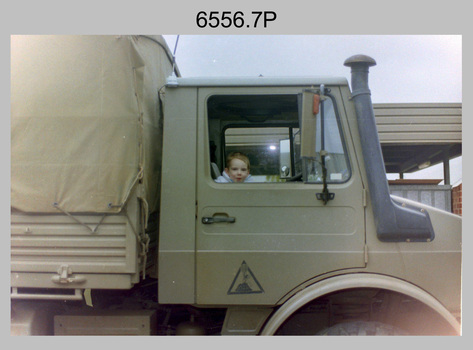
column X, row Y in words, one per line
column 325, row 196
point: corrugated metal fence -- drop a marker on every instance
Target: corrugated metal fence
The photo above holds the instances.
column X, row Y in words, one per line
column 438, row 196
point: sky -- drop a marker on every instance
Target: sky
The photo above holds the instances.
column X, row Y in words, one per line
column 410, row 68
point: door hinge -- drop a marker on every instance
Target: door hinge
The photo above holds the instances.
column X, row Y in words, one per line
column 365, row 197
column 366, row 255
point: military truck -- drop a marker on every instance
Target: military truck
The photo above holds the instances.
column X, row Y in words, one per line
column 119, row 227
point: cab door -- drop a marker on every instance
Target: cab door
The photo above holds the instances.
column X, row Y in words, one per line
column 257, row 241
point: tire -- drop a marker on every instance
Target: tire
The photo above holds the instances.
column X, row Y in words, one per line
column 362, row 328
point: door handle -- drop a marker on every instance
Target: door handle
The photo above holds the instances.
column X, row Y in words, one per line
column 217, row 219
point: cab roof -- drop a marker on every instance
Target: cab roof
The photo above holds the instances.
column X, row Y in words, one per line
column 255, row 81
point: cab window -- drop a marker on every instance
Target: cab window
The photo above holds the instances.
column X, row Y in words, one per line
column 266, row 129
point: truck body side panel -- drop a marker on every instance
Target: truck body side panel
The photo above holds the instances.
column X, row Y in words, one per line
column 87, row 251
column 176, row 259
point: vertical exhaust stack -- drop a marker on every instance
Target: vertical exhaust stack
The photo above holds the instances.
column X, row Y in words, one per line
column 394, row 222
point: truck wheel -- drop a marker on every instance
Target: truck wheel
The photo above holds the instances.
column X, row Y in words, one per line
column 362, row 328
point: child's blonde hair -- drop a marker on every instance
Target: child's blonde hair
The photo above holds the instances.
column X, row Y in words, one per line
column 240, row 156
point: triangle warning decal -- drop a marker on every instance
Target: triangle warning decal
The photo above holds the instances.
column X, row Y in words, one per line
column 245, row 282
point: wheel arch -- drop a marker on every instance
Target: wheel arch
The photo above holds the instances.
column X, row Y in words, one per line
column 351, row 281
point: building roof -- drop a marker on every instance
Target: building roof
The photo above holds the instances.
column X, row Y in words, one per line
column 413, row 135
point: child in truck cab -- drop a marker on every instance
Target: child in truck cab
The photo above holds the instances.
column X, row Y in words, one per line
column 237, row 169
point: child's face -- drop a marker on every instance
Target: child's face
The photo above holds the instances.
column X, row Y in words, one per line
column 238, row 170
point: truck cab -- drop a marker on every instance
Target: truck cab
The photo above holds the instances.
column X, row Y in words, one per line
column 313, row 211
column 273, row 231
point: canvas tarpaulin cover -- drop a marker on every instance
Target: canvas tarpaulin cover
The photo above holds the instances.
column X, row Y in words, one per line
column 85, row 121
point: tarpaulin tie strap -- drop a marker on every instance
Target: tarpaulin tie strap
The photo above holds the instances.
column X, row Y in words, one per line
column 56, row 205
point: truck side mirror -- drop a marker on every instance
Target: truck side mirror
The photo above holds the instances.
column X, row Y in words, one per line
column 310, row 109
